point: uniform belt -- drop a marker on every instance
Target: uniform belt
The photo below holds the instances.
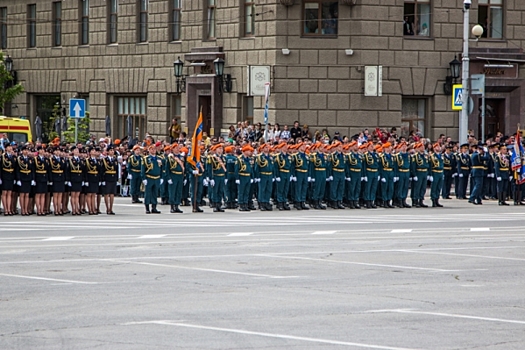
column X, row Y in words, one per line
column 25, row 171
column 477, row 167
column 177, row 172
column 387, row 169
column 504, row 169
column 356, row 170
column 301, row 170
column 339, row 170
column 93, row 172
column 320, row 169
column 372, row 170
column 41, row 172
column 218, row 174
column 447, row 168
column 76, row 171
column 111, row 172
column 136, row 170
column 421, row 169
column 57, row 171
column 404, row 170
column 465, row 168
column 266, row 173
column 437, row 171
column 284, row 170
column 153, row 177
column 244, row 174
column 8, row 170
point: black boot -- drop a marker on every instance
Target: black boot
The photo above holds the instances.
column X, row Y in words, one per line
column 405, row 204
column 177, row 210
column 243, row 207
column 356, row 205
column 351, row 204
column 340, row 205
column 320, row 205
column 415, row 203
column 434, row 203
column 251, row 206
column 217, row 208
column 423, row 205
column 154, row 209
column 262, row 207
column 172, row 209
column 269, row 207
column 438, row 204
column 297, row 206
column 280, row 206
column 303, row 206
column 388, row 204
column 197, row 209
column 502, row 196
column 147, row 209
column 313, row 204
column 373, row 205
column 286, row 206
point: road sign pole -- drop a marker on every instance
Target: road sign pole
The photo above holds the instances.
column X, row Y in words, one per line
column 76, row 131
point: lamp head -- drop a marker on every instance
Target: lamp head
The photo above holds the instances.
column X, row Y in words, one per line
column 477, row 31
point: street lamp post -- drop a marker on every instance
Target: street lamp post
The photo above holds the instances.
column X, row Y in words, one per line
column 463, row 119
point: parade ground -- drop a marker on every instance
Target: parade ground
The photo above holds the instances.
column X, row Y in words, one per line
column 443, row 278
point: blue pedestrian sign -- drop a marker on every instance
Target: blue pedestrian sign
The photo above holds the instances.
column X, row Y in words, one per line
column 77, row 108
column 457, row 97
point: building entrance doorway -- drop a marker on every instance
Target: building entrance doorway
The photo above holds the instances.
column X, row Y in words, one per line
column 494, row 117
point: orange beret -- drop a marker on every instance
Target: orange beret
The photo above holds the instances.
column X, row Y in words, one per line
column 352, row 144
column 151, row 147
column 337, row 143
column 246, row 148
column 229, row 149
column 387, row 144
column 436, row 145
column 117, row 142
column 363, row 146
column 378, row 147
column 184, row 150
column 136, row 147
column 167, row 148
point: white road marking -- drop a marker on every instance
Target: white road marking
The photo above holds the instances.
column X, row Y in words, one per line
column 61, row 238
column 466, row 255
column 409, row 311
column 151, row 236
column 402, row 230
column 323, row 232
column 205, row 270
column 479, row 229
column 46, row 279
column 269, row 335
column 361, row 263
column 240, row 234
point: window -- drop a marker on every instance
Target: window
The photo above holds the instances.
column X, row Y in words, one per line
column 3, row 27
column 112, row 21
column 31, row 25
column 135, row 108
column 413, row 113
column 249, row 17
column 57, row 23
column 175, row 26
column 84, row 22
column 143, row 21
column 490, row 16
column 210, row 19
column 248, row 109
column 320, row 17
column 416, row 19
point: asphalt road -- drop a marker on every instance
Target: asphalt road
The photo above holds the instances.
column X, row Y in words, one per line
column 447, row 278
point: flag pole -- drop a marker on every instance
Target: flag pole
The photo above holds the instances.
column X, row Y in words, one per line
column 197, row 161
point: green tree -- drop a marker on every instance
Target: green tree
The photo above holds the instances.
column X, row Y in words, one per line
column 83, row 129
column 9, row 89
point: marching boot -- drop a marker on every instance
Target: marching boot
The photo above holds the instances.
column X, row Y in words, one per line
column 269, row 207
column 286, row 206
column 250, row 206
column 177, row 210
column 503, row 198
column 262, row 207
column 423, row 205
column 388, row 204
column 217, row 208
column 357, row 205
column 434, row 203
column 297, row 206
column 198, row 210
column 320, row 205
column 154, row 209
column 438, row 204
column 351, row 205
column 243, row 207
column 303, row 206
column 147, row 209
column 280, row 206
column 404, row 204
column 172, row 208
column 340, row 205
column 314, row 204
column 415, row 203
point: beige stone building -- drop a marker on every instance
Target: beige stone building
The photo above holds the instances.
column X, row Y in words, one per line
column 321, row 57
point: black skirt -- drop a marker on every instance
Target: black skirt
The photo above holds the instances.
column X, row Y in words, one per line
column 59, row 187
column 76, row 187
column 110, row 188
column 41, row 187
column 25, row 187
column 93, row 187
column 8, row 185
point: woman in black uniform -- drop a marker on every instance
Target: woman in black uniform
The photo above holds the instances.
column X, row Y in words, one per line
column 92, row 179
column 109, row 179
column 75, row 179
column 42, row 173
column 8, row 179
column 24, row 179
column 58, row 180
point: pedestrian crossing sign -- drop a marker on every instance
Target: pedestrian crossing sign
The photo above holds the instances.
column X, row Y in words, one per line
column 457, row 97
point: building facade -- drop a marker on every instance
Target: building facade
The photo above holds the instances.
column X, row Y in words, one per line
column 342, row 65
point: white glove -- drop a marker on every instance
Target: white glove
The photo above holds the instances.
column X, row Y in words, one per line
column 396, row 179
column 145, row 182
column 278, row 179
column 225, row 181
column 428, row 177
column 460, row 175
column 431, row 178
column 415, row 178
column 362, row 179
column 327, row 179
column 195, row 172
column 86, row 184
column 313, row 179
column 161, row 181
column 68, row 183
column 291, row 178
column 295, row 178
column 331, row 178
column 511, row 178
column 383, row 180
column 184, row 182
column 348, row 179
column 455, row 174
column 258, row 179
column 51, row 183
column 273, row 179
column 212, row 182
column 129, row 176
column 103, row 183
column 0, row 181
column 251, row 181
column 310, row 179
column 498, row 178
column 366, row 179
column 492, row 175
column 33, row 183
column 19, row 183
column 205, row 183
column 208, row 179
column 170, row 182
column 238, row 182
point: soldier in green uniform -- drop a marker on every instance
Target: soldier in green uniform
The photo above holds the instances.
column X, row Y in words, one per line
column 387, row 175
column 162, row 153
column 134, row 177
column 218, row 177
column 174, row 171
column 264, row 173
column 371, row 176
column 338, row 178
column 151, row 171
column 436, row 175
column 318, row 174
column 244, row 176
column 419, row 173
column 301, row 164
column 283, row 175
column 231, row 186
column 402, row 164
column 502, row 173
column 354, row 163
